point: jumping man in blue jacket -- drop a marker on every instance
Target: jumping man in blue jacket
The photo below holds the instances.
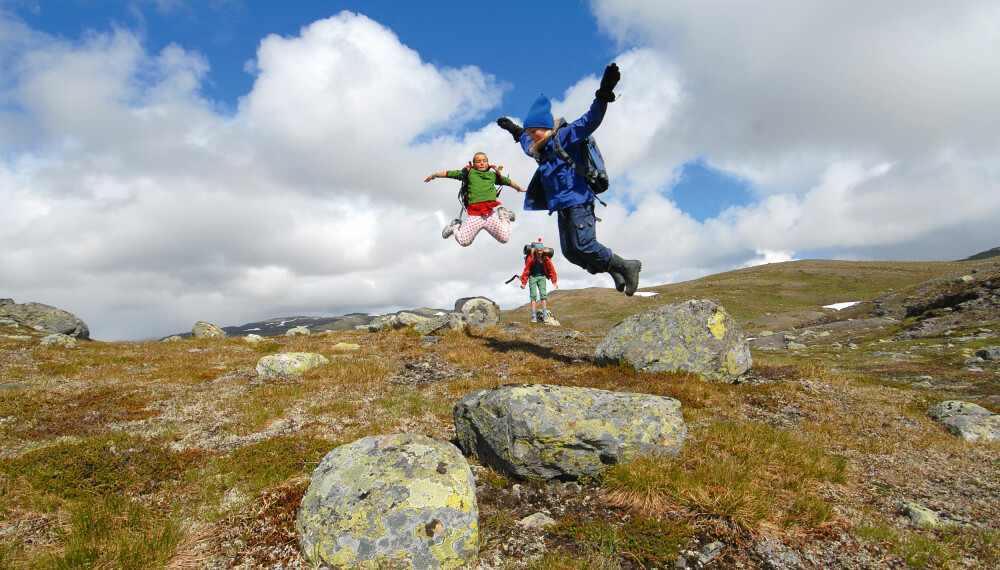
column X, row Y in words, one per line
column 563, row 190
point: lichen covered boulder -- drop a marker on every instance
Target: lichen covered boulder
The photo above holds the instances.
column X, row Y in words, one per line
column 201, row 329
column 395, row 501
column 44, row 318
column 58, row 339
column 565, row 432
column 289, row 363
column 440, row 324
column 699, row 337
column 968, row 421
column 478, row 312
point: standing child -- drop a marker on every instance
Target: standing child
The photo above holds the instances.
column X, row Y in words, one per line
column 563, row 190
column 537, row 268
column 484, row 211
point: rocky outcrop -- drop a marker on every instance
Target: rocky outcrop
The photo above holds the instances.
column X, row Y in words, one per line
column 44, row 318
column 289, row 363
column 564, row 432
column 969, row 421
column 396, row 501
column 699, row 337
column 202, row 329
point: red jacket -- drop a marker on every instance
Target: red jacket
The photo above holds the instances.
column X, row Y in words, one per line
column 547, row 267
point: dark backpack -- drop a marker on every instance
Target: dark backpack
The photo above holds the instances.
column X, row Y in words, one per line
column 592, row 168
column 463, row 192
column 529, row 250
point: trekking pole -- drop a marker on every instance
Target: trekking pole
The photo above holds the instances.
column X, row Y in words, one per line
column 515, row 276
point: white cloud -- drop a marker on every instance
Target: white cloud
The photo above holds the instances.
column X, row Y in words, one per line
column 130, row 200
column 859, row 125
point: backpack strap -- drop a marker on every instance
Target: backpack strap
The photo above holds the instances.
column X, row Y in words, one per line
column 565, row 157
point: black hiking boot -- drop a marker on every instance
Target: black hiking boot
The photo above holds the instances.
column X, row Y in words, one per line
column 619, row 281
column 629, row 270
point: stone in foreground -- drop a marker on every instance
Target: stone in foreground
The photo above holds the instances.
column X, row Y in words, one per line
column 565, row 432
column 395, row 501
column 699, row 337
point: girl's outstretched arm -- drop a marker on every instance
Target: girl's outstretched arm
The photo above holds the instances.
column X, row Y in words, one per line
column 436, row 175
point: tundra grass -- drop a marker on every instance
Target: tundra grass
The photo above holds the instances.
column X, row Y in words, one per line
column 748, row 473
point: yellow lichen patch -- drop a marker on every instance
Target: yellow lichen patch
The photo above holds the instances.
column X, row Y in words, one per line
column 717, row 324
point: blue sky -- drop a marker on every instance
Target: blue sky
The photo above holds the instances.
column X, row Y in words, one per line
column 447, row 33
column 169, row 161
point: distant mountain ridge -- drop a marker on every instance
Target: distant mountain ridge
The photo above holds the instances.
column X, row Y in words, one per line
column 995, row 252
column 281, row 325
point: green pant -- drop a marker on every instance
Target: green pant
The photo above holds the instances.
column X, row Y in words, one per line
column 536, row 282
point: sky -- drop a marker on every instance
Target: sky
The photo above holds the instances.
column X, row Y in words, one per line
column 164, row 162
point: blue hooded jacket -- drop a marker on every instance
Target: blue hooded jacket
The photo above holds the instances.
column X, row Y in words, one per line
column 563, row 186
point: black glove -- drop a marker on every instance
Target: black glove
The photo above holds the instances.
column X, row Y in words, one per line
column 611, row 77
column 511, row 127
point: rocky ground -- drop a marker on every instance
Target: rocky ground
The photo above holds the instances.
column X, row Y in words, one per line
column 849, row 370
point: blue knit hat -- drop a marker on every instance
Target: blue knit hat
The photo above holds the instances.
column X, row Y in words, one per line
column 540, row 114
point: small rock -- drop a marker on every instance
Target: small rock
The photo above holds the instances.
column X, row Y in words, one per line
column 289, row 363
column 989, row 353
column 920, row 515
column 297, row 331
column 346, row 346
column 253, row 338
column 969, row 421
column 711, row 551
column 537, row 521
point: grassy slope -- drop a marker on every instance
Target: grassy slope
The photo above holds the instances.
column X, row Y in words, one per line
column 773, row 296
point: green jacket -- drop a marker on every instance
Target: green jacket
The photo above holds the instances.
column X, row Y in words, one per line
column 482, row 185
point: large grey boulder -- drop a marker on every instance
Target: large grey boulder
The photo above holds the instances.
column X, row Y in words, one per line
column 44, row 318
column 478, row 312
column 692, row 336
column 201, row 329
column 564, row 432
column 969, row 421
column 395, row 501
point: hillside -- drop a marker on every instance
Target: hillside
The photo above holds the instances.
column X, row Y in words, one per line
column 177, row 454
